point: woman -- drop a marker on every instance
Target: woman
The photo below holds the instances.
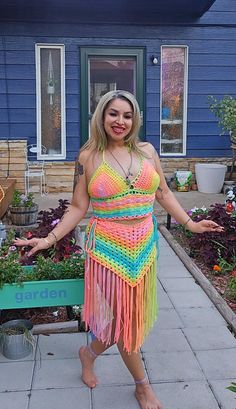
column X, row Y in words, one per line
column 121, row 177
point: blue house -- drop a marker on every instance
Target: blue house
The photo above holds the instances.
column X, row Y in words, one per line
column 58, row 57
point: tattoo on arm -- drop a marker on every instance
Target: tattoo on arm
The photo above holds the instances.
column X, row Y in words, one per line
column 159, row 193
column 79, row 170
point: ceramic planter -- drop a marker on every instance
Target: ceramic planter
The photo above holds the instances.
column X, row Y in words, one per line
column 210, row 177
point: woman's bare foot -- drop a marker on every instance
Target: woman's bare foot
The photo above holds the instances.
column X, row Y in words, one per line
column 146, row 397
column 87, row 361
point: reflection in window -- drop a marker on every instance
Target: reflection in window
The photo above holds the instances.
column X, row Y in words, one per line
column 108, row 74
column 50, row 99
column 173, row 100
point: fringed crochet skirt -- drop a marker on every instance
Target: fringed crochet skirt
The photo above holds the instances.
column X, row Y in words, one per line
column 120, row 281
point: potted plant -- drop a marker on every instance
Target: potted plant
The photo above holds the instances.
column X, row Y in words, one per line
column 225, row 110
column 23, row 209
column 17, row 340
column 54, row 277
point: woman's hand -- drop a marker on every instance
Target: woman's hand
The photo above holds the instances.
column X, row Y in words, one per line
column 204, row 226
column 36, row 244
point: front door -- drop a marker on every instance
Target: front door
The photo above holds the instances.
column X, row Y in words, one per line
column 107, row 69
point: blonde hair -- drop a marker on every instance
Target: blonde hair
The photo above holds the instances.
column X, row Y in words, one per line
column 98, row 139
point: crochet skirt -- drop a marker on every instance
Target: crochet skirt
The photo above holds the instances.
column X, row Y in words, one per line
column 120, row 281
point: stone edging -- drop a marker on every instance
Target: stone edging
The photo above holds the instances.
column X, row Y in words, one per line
column 205, row 284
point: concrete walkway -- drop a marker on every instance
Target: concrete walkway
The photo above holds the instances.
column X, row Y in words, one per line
column 190, row 358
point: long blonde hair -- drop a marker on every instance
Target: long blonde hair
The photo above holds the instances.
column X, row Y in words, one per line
column 98, row 139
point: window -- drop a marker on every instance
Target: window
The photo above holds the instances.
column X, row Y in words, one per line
column 105, row 69
column 50, row 90
column 173, row 100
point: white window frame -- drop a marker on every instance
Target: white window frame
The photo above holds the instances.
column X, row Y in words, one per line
column 62, row 155
column 183, row 153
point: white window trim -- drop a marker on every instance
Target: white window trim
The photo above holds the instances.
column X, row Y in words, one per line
column 184, row 101
column 62, row 155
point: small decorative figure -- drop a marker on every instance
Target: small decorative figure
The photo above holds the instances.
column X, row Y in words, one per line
column 230, row 202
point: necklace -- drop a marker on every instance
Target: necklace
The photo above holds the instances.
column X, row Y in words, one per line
column 128, row 174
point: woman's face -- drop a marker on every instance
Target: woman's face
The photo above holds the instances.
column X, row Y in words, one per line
column 118, row 120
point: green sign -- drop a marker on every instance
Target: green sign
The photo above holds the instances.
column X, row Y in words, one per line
column 42, row 294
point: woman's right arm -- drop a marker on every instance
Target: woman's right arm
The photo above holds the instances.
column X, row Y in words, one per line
column 73, row 215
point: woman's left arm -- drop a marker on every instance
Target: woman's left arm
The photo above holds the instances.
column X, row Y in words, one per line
column 168, row 201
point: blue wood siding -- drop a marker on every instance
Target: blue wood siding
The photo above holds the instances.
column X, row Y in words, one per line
column 212, row 70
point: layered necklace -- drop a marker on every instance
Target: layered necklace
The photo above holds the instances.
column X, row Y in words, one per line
column 128, row 173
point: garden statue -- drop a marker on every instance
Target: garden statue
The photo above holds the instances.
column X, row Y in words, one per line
column 230, row 202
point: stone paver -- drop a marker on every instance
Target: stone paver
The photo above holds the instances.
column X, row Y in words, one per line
column 163, row 299
column 69, row 398
column 166, row 340
column 115, row 397
column 172, row 271
column 168, row 318
column 203, row 338
column 57, row 373
column 218, row 364
column 226, row 398
column 16, row 376
column 180, row 284
column 189, row 299
column 111, row 370
column 172, row 366
column 14, row 400
column 53, row 346
column 186, row 395
column 199, row 317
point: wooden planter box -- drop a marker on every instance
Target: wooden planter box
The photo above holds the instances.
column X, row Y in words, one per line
column 8, row 186
column 48, row 293
column 23, row 216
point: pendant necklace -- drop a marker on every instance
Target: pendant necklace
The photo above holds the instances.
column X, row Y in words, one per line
column 128, row 174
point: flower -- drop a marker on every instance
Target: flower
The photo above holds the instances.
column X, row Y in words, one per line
column 55, row 222
column 21, row 200
column 216, row 267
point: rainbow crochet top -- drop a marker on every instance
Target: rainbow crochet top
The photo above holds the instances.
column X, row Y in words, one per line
column 112, row 198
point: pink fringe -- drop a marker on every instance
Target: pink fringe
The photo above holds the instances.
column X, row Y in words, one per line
column 114, row 309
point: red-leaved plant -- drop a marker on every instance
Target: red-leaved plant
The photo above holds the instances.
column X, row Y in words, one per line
column 211, row 246
column 47, row 220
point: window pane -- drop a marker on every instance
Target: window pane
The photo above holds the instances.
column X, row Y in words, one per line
column 172, row 100
column 50, row 73
column 107, row 74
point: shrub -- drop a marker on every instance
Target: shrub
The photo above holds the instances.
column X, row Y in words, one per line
column 211, row 246
column 21, row 200
column 47, row 220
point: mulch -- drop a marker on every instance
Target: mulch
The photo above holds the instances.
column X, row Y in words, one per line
column 36, row 315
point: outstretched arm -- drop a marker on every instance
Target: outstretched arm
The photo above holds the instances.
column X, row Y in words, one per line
column 168, row 201
column 73, row 215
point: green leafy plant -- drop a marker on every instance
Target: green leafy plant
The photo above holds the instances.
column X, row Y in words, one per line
column 21, row 200
column 44, row 268
column 231, row 288
column 232, row 387
column 226, row 266
column 225, row 110
column 11, row 271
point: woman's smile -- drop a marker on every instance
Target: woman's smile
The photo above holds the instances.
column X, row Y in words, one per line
column 118, row 119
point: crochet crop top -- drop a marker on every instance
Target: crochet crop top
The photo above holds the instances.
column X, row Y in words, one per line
column 112, row 198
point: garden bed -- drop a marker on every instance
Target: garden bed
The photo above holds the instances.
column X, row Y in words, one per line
column 219, row 282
